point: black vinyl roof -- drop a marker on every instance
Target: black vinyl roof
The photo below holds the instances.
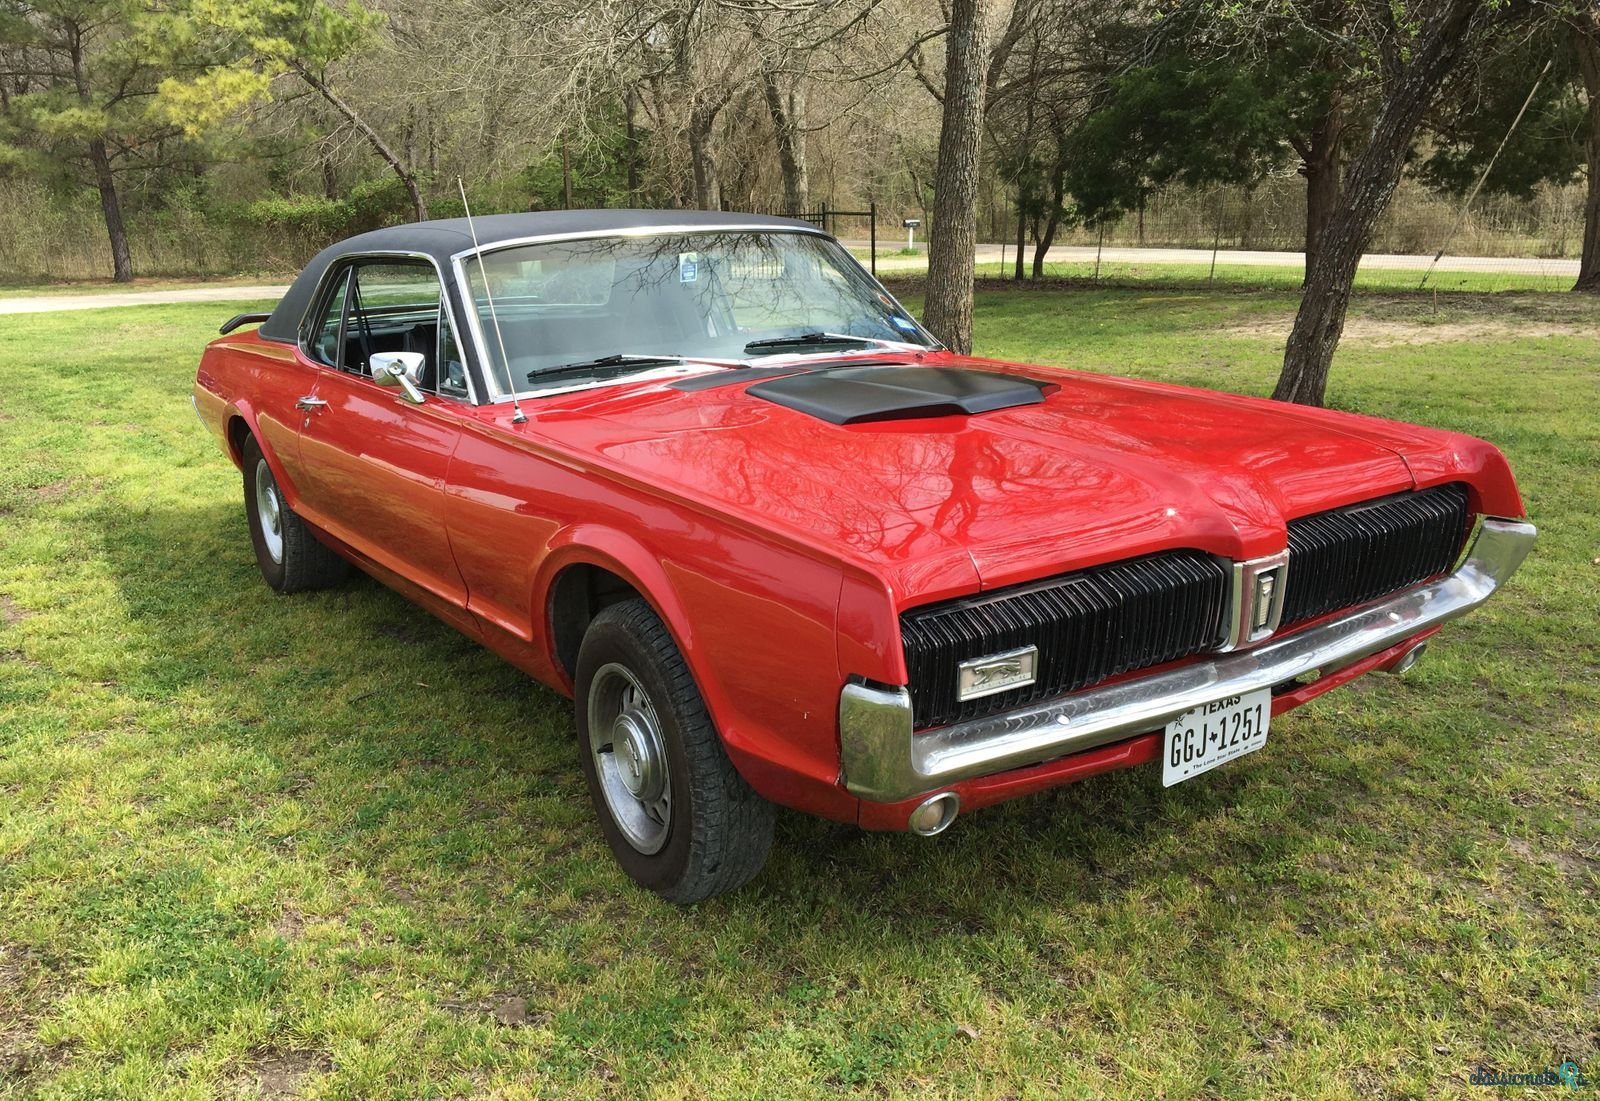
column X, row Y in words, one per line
column 443, row 238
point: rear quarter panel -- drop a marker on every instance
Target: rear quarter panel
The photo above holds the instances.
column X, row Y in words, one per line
column 256, row 381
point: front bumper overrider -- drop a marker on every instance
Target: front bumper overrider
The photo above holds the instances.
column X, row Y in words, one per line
column 884, row 761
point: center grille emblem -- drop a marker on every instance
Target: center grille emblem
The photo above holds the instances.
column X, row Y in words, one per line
column 1256, row 606
column 978, row 677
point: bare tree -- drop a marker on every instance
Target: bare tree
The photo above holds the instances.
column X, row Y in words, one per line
column 1413, row 66
column 953, row 245
column 972, row 65
column 1586, row 30
column 786, row 103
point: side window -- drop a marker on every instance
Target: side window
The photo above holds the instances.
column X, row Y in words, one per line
column 452, row 368
column 325, row 341
column 392, row 306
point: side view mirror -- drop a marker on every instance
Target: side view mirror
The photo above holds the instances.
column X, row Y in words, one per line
column 400, row 369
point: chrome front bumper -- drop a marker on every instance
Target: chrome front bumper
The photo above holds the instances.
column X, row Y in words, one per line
column 885, row 762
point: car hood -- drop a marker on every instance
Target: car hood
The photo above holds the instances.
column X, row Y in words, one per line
column 1101, row 468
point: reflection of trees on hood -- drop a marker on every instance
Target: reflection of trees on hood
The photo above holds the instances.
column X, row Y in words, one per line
column 897, row 489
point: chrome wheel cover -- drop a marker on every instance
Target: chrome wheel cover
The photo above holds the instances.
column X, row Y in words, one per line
column 269, row 510
column 630, row 757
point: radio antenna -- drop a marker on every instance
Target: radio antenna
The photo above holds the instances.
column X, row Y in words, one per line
column 494, row 319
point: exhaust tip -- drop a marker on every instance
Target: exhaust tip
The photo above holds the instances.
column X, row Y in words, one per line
column 1409, row 659
column 934, row 814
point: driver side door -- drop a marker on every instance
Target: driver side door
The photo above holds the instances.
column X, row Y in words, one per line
column 375, row 464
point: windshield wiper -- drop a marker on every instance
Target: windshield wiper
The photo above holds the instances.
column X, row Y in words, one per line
column 811, row 339
column 604, row 367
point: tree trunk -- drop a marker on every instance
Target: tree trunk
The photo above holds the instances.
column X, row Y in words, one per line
column 381, row 147
column 1058, row 202
column 702, row 156
column 1588, row 32
column 630, row 106
column 1320, row 167
column 1046, row 239
column 1022, row 227
column 1320, row 321
column 111, row 205
column 105, row 180
column 952, row 248
column 788, row 127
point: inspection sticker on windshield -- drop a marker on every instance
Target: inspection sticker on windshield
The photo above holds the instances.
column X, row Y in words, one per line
column 688, row 267
column 1212, row 733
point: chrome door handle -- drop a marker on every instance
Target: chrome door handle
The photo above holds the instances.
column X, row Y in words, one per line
column 309, row 404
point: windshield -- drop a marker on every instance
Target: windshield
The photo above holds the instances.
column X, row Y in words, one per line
column 599, row 308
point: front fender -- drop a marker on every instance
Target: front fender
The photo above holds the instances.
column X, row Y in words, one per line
column 756, row 624
column 623, row 555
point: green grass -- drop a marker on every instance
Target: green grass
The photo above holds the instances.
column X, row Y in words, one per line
column 258, row 845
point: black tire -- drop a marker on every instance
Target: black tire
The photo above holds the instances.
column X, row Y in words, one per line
column 718, row 831
column 291, row 558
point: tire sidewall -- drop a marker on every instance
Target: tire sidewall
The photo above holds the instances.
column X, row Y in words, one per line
column 273, row 572
column 611, row 642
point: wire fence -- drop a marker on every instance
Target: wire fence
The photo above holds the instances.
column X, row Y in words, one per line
column 1502, row 243
column 1181, row 236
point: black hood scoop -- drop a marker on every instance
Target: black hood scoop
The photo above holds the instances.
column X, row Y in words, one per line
column 861, row 395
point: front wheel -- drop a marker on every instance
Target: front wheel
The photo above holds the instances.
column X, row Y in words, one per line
column 290, row 557
column 678, row 817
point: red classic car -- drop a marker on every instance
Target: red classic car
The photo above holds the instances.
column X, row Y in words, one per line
column 704, row 474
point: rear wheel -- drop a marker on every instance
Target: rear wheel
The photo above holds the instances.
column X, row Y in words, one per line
column 678, row 817
column 290, row 557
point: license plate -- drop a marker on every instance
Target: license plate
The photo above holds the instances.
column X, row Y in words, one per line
column 1205, row 737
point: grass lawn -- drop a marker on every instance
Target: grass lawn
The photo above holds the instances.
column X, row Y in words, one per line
column 322, row 845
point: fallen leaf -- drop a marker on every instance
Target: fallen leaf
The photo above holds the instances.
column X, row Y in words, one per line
column 968, row 1031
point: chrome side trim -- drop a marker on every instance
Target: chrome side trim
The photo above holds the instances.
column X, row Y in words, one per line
column 884, row 762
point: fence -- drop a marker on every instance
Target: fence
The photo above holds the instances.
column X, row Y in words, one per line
column 827, row 219
column 1537, row 239
column 1503, row 242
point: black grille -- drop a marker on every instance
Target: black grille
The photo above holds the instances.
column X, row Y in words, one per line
column 1088, row 626
column 1353, row 555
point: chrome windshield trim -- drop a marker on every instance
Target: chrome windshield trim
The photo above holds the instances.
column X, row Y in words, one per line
column 884, row 761
column 635, row 231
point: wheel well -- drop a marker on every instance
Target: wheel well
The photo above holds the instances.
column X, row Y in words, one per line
column 238, row 432
column 577, row 596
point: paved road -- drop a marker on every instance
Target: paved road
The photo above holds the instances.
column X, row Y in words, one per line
column 52, row 302
column 990, row 254
column 987, row 254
